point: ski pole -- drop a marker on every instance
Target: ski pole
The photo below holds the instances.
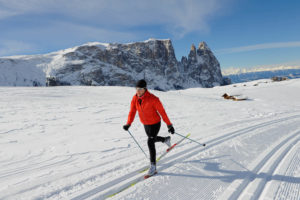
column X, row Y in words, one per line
column 137, row 143
column 191, row 140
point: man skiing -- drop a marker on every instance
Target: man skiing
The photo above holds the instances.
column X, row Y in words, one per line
column 150, row 111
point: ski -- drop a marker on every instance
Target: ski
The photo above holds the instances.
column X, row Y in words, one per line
column 172, row 147
column 167, row 151
column 146, row 176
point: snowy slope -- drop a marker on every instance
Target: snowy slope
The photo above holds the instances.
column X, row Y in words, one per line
column 68, row 143
column 26, row 70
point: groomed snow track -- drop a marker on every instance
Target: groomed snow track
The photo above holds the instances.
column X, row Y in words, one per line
column 118, row 185
column 68, row 143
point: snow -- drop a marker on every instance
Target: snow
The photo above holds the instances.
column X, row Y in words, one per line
column 24, row 70
column 101, row 45
column 250, row 76
column 68, row 143
column 154, row 39
column 234, row 71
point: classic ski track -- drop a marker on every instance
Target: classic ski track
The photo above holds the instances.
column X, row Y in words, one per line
column 58, row 176
column 32, row 167
column 273, row 158
column 286, row 167
column 37, row 157
column 61, row 176
column 267, row 169
column 8, row 162
column 191, row 151
column 214, row 141
column 291, row 170
column 28, row 167
column 209, row 186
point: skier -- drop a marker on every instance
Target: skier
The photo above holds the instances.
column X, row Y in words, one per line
column 150, row 111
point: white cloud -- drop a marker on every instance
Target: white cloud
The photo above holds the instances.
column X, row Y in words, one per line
column 61, row 33
column 6, row 13
column 13, row 47
column 90, row 32
column 15, row 7
column 178, row 16
column 274, row 45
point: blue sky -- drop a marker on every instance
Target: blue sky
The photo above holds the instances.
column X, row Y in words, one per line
column 241, row 33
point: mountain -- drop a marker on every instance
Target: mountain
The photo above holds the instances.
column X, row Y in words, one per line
column 201, row 66
column 115, row 64
column 255, row 75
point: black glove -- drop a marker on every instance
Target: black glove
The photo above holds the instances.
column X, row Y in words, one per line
column 171, row 129
column 126, row 127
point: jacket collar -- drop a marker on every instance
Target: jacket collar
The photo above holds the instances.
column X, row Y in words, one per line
column 144, row 96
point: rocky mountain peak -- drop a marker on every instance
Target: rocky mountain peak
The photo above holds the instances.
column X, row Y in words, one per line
column 119, row 64
column 193, row 48
column 203, row 46
column 193, row 54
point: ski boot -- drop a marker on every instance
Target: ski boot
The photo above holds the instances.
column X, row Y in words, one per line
column 152, row 171
column 168, row 141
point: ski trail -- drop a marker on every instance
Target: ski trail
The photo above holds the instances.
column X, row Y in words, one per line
column 61, row 176
column 252, row 185
column 57, row 160
column 288, row 185
column 191, row 180
column 109, row 188
column 96, row 178
column 5, row 164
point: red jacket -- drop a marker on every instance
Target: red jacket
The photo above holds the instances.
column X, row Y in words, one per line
column 150, row 109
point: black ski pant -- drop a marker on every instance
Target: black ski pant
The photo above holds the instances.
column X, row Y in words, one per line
column 152, row 132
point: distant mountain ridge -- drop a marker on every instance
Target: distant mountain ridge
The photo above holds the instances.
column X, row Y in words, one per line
column 234, row 71
column 115, row 64
column 255, row 75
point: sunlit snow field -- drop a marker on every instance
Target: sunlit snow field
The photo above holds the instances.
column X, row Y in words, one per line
column 68, row 143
